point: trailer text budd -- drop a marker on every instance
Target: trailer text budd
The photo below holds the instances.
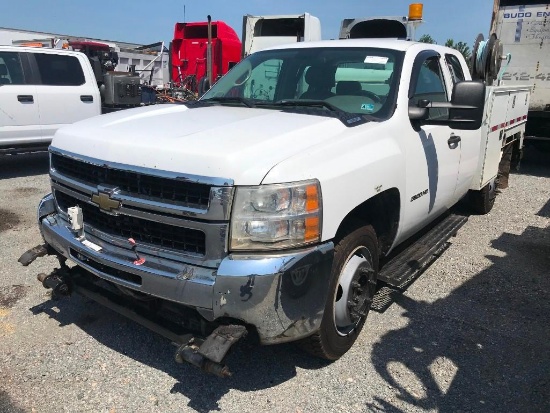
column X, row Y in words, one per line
column 523, row 28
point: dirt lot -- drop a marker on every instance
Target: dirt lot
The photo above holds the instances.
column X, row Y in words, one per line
column 470, row 335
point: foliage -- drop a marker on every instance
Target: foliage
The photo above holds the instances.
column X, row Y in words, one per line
column 461, row 47
column 426, row 38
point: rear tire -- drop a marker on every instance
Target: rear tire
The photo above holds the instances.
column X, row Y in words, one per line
column 481, row 202
column 352, row 288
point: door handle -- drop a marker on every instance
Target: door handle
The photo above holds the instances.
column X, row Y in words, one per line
column 453, row 141
column 86, row 98
column 25, row 98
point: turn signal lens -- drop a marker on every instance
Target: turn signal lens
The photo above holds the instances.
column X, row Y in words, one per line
column 312, row 198
column 313, row 230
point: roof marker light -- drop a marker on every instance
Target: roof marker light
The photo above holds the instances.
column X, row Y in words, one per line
column 415, row 11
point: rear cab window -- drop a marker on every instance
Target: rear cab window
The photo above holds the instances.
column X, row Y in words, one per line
column 59, row 70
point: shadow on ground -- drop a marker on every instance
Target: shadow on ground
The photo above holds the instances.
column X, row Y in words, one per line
column 535, row 162
column 17, row 166
column 545, row 210
column 485, row 347
column 6, row 404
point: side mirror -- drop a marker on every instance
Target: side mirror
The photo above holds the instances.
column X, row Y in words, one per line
column 465, row 108
column 468, row 104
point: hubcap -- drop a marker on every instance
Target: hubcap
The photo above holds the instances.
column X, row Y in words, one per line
column 352, row 299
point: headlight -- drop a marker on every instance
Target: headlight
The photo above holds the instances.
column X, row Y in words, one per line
column 278, row 216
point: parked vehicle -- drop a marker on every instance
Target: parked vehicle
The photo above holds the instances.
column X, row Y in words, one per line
column 396, row 27
column 40, row 91
column 189, row 53
column 45, row 87
column 277, row 212
column 262, row 32
column 522, row 27
column 119, row 90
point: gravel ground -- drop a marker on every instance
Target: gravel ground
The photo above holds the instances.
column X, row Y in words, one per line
column 470, row 335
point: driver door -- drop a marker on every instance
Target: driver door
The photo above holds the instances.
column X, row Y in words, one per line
column 433, row 151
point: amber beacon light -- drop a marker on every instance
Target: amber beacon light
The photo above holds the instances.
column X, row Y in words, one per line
column 415, row 11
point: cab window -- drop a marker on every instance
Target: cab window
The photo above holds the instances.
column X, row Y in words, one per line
column 457, row 74
column 430, row 86
column 59, row 70
column 11, row 72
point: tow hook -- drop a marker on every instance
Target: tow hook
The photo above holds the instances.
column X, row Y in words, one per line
column 208, row 355
column 28, row 257
column 56, row 281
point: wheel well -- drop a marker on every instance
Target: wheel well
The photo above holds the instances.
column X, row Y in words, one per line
column 382, row 212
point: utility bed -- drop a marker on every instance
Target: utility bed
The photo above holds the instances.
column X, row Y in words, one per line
column 504, row 122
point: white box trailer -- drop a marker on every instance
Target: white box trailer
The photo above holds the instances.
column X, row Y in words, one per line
column 398, row 27
column 261, row 32
column 524, row 30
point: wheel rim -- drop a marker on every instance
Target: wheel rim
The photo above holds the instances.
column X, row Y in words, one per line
column 352, row 298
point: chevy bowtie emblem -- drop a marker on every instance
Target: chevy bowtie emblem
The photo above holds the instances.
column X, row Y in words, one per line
column 105, row 202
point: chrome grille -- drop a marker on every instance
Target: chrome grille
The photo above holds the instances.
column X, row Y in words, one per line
column 189, row 194
column 154, row 233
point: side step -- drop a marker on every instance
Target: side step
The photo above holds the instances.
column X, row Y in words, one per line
column 408, row 263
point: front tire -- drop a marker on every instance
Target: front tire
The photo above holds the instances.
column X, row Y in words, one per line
column 352, row 288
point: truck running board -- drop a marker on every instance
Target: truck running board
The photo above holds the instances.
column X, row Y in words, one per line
column 408, row 263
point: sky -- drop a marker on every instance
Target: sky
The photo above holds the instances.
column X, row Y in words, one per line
column 144, row 22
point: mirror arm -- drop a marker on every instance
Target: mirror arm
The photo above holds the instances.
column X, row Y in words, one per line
column 450, row 122
column 448, row 105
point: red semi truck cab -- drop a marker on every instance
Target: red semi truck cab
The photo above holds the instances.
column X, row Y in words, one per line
column 189, row 50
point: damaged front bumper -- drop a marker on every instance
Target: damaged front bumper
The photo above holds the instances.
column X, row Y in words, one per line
column 282, row 295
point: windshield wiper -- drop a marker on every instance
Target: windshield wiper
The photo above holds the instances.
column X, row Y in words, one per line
column 308, row 103
column 348, row 118
column 230, row 99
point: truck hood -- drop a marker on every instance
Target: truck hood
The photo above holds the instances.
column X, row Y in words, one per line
column 236, row 143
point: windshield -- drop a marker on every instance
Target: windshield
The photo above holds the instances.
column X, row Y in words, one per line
column 351, row 80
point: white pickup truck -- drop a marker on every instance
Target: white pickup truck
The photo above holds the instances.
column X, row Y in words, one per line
column 43, row 89
column 40, row 91
column 277, row 212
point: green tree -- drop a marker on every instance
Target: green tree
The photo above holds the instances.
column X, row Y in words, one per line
column 461, row 47
column 426, row 38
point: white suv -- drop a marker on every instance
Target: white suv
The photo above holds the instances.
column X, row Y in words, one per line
column 40, row 91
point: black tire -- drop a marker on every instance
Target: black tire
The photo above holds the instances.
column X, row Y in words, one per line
column 358, row 245
column 204, row 86
column 481, row 202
